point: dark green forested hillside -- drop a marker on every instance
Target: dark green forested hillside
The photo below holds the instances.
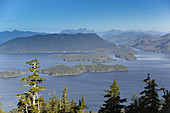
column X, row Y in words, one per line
column 52, row 43
column 161, row 44
column 55, row 43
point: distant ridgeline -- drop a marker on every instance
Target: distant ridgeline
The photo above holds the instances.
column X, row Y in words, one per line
column 161, row 44
column 52, row 43
column 62, row 70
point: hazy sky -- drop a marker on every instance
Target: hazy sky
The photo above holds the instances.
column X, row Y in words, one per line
column 100, row 15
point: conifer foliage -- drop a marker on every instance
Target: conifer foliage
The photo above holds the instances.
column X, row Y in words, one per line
column 166, row 104
column 133, row 107
column 30, row 101
column 149, row 101
column 113, row 104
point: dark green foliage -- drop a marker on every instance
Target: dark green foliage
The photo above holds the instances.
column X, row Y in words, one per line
column 7, row 74
column 166, row 104
column 149, row 101
column 85, row 57
column 113, row 104
column 60, row 70
column 133, row 107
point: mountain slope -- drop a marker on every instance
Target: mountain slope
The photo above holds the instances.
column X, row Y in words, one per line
column 161, row 44
column 55, row 43
column 126, row 37
column 7, row 35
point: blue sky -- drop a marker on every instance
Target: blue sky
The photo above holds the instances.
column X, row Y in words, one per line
column 99, row 15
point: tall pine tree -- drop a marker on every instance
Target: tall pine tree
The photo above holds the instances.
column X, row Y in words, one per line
column 33, row 81
column 149, row 101
column 113, row 104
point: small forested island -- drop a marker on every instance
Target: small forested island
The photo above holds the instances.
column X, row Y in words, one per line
column 84, row 57
column 127, row 56
column 7, row 74
column 62, row 70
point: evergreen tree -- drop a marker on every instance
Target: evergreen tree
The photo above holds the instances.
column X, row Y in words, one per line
column 33, row 81
column 54, row 103
column 166, row 104
column 24, row 103
column 73, row 106
column 65, row 106
column 133, row 107
column 149, row 101
column 113, row 104
column 82, row 105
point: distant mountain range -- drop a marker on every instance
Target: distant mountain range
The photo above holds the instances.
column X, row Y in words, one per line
column 7, row 35
column 126, row 37
column 55, row 43
column 118, row 36
column 161, row 44
column 80, row 30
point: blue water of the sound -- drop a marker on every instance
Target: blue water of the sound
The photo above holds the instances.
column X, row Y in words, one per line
column 89, row 84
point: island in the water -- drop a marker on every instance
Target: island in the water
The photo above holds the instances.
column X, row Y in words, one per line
column 62, row 70
column 84, row 57
column 7, row 74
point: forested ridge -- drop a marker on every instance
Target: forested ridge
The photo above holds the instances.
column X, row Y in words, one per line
column 52, row 43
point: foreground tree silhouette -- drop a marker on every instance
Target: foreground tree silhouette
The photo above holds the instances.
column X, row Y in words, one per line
column 166, row 104
column 113, row 104
column 133, row 107
column 30, row 101
column 149, row 101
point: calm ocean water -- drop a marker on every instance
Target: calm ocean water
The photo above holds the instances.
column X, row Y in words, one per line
column 89, row 84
